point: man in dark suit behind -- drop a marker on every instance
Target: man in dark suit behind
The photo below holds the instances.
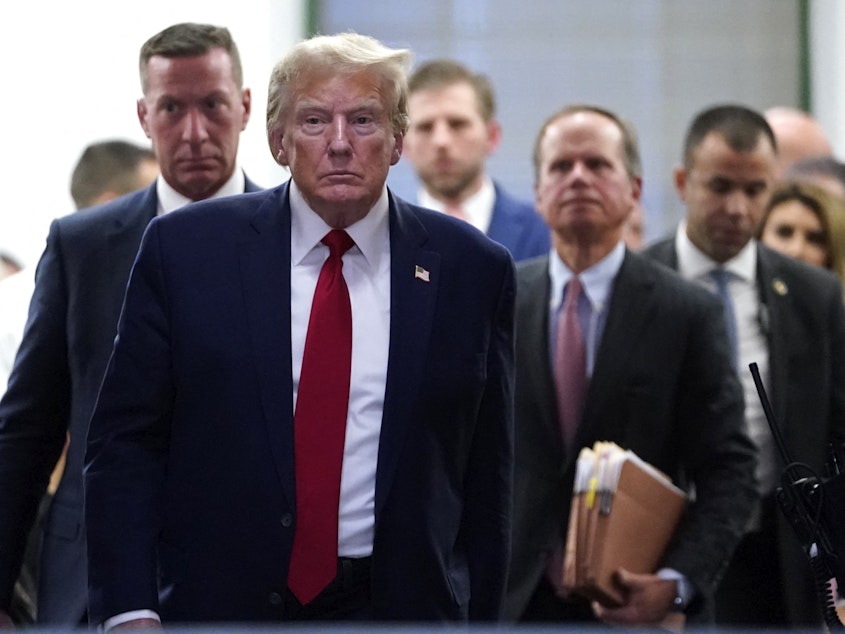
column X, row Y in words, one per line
column 452, row 132
column 197, row 496
column 789, row 320
column 193, row 109
column 106, row 170
column 658, row 382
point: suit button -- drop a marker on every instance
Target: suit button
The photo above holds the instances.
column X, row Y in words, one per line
column 287, row 520
column 275, row 598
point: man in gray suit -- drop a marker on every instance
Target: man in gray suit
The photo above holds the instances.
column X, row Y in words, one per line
column 658, row 382
column 788, row 317
column 193, row 108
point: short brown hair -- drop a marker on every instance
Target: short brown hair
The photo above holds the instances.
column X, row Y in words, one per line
column 741, row 128
column 189, row 39
column 107, row 166
column 441, row 73
column 630, row 145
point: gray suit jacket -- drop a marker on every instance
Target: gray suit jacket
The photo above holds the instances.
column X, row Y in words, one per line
column 662, row 387
column 803, row 317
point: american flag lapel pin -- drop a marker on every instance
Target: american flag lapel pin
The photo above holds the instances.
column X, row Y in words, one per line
column 421, row 274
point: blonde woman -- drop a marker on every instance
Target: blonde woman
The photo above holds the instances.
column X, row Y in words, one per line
column 807, row 222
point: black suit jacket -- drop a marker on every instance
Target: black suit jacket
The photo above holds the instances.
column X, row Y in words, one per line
column 190, row 501
column 663, row 387
column 80, row 283
column 804, row 321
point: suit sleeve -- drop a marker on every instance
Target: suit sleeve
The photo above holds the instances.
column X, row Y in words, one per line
column 490, row 486
column 34, row 412
column 127, row 448
column 717, row 452
column 836, row 319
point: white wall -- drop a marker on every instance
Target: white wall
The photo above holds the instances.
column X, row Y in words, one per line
column 827, row 55
column 69, row 73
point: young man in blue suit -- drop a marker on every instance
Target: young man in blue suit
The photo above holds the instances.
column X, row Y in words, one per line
column 453, row 130
column 193, row 109
column 198, row 502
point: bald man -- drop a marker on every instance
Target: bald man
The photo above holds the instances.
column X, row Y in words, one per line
column 798, row 134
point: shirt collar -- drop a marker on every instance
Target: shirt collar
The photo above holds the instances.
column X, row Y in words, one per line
column 693, row 263
column 169, row 199
column 478, row 207
column 597, row 281
column 371, row 233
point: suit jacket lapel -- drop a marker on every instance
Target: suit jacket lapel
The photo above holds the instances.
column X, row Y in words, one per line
column 775, row 318
column 122, row 241
column 533, row 317
column 630, row 305
column 265, row 273
column 412, row 303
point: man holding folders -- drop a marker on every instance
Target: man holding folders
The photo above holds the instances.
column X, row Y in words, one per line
column 611, row 346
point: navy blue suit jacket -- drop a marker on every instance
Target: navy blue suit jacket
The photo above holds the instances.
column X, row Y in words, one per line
column 518, row 226
column 79, row 288
column 190, row 471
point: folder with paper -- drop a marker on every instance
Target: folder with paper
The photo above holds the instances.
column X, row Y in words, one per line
column 623, row 514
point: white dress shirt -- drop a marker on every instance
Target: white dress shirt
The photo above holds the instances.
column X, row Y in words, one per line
column 695, row 265
column 366, row 269
column 597, row 282
column 478, row 208
column 169, row 199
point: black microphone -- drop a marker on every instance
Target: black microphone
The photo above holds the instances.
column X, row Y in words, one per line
column 814, row 508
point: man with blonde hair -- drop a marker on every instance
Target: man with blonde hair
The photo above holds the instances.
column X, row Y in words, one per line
column 308, row 412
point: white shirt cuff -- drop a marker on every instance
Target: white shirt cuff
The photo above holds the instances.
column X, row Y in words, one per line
column 125, row 617
column 686, row 592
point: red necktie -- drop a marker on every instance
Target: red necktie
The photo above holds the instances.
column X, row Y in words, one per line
column 570, row 364
column 320, row 426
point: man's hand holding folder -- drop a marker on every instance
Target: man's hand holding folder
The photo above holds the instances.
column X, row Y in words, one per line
column 623, row 514
column 649, row 599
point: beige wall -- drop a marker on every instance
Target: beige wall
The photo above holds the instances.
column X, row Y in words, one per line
column 69, row 73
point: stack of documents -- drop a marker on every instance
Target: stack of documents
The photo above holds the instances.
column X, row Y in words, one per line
column 623, row 514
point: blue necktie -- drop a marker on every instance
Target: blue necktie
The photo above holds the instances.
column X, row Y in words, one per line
column 722, row 277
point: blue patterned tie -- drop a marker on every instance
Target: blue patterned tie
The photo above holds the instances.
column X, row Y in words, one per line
column 722, row 278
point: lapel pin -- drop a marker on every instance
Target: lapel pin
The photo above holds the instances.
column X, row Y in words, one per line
column 421, row 274
column 779, row 286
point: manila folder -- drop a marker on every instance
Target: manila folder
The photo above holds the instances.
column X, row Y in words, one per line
column 633, row 532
